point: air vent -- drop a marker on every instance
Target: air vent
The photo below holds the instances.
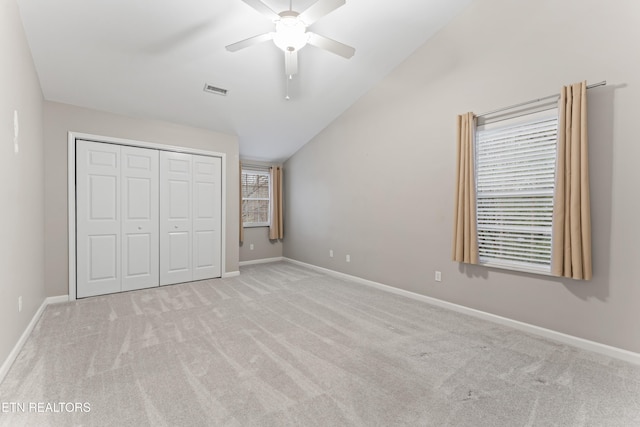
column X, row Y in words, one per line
column 213, row 89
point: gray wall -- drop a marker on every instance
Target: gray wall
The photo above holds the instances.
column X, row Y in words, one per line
column 21, row 183
column 378, row 182
column 59, row 119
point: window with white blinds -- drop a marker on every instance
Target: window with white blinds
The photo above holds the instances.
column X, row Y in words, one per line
column 256, row 194
column 515, row 178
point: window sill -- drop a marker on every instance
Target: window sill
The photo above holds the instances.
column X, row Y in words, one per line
column 543, row 271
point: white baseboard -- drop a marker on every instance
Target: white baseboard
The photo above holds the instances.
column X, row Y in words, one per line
column 57, row 300
column 4, row 369
column 230, row 274
column 260, row 261
column 607, row 350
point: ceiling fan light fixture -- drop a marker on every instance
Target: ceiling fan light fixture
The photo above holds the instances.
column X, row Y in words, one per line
column 291, row 34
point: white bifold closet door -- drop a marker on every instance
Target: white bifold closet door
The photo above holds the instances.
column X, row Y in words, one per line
column 117, row 218
column 190, row 217
column 145, row 217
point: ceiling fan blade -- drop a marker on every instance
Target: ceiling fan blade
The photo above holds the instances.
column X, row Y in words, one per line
column 319, row 9
column 249, row 42
column 331, row 45
column 263, row 9
column 291, row 63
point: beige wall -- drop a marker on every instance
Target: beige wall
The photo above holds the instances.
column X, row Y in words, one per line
column 378, row 182
column 59, row 119
column 263, row 248
column 21, row 183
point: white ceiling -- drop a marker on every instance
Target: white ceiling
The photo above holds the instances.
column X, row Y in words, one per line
column 151, row 59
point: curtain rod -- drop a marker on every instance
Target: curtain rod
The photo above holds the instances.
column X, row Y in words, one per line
column 602, row 83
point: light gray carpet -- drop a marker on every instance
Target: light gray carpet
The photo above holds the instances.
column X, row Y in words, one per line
column 282, row 345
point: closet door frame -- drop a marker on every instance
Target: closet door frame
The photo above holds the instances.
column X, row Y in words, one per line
column 71, row 189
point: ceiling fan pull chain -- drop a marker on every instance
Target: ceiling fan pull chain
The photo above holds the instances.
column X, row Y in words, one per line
column 287, row 88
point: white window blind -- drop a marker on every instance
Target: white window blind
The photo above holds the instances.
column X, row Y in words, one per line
column 256, row 193
column 515, row 178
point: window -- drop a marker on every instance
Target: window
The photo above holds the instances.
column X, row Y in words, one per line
column 515, row 178
column 256, row 194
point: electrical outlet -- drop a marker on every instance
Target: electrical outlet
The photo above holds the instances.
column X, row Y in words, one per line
column 251, row 247
column 330, row 253
column 438, row 276
column 348, row 258
column 19, row 304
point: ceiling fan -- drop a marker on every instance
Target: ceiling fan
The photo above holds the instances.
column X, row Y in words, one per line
column 291, row 33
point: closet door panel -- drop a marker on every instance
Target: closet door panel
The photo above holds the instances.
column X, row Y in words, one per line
column 207, row 192
column 140, row 218
column 98, row 233
column 175, row 218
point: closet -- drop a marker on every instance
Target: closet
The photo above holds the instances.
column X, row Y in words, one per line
column 145, row 217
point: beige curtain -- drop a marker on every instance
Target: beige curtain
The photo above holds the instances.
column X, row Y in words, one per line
column 276, row 229
column 240, row 186
column 465, row 235
column 571, row 211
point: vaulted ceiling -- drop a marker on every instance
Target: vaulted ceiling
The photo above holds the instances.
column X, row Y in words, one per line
column 151, row 59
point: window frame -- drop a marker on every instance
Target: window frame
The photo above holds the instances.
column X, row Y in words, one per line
column 261, row 172
column 505, row 123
